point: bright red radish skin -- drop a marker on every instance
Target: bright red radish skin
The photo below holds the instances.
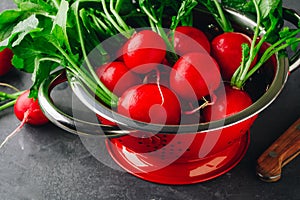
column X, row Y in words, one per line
column 28, row 109
column 150, row 103
column 189, row 39
column 117, row 77
column 194, row 76
column 5, row 61
column 143, row 51
column 227, row 50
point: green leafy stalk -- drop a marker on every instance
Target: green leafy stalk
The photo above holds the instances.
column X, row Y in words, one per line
column 86, row 79
column 245, row 57
column 155, row 15
column 184, row 14
column 61, row 21
column 8, row 105
column 240, row 80
column 113, row 97
column 119, row 25
column 215, row 8
column 7, row 96
column 8, row 100
column 155, row 19
column 287, row 38
column 223, row 21
column 273, row 49
column 41, row 42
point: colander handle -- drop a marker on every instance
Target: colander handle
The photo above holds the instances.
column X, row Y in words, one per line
column 293, row 17
column 65, row 121
column 280, row 153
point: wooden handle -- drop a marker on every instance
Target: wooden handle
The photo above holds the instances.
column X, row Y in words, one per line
column 281, row 152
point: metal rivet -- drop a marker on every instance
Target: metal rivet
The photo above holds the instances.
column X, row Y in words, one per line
column 273, row 154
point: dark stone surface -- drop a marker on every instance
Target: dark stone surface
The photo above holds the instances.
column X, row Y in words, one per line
column 49, row 163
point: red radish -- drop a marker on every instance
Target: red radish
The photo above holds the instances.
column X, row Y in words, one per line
column 189, row 39
column 117, row 77
column 150, row 103
column 27, row 110
column 194, row 76
column 5, row 61
column 143, row 51
column 227, row 50
column 229, row 102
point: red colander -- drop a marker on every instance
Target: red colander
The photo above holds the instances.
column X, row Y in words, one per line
column 171, row 154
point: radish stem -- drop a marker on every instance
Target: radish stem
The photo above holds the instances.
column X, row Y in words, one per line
column 7, row 105
column 223, row 22
column 9, row 86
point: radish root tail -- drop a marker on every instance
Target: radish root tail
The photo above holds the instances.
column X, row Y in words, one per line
column 16, row 130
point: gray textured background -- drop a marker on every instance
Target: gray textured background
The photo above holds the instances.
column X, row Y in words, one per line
column 49, row 163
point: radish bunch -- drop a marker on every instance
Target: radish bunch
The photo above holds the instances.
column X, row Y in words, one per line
column 150, row 89
column 168, row 77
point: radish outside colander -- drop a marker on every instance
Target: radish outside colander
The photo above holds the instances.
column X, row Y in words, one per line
column 174, row 154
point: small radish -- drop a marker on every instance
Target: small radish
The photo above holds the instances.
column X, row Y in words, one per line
column 143, row 51
column 117, row 77
column 5, row 61
column 150, row 103
column 28, row 111
column 229, row 102
column 189, row 39
column 227, row 50
column 194, row 76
